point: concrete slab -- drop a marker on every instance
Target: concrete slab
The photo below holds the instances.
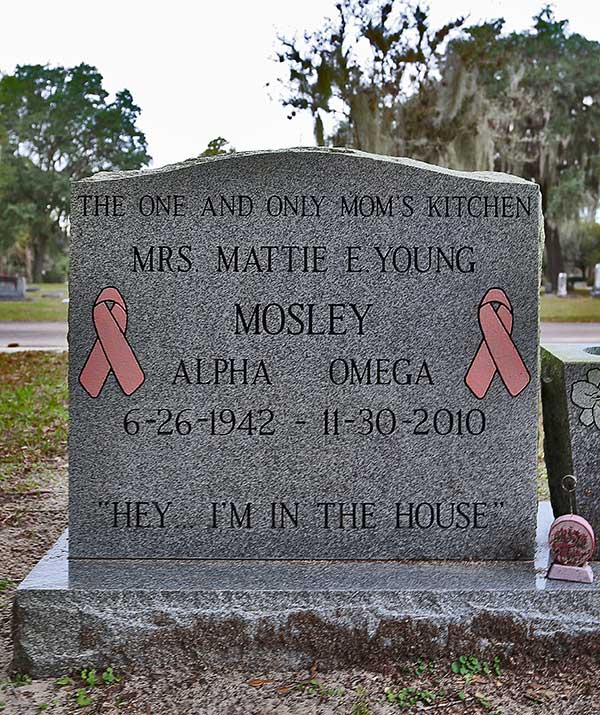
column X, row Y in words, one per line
column 281, row 614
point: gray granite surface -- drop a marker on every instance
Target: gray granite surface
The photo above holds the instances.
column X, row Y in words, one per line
column 406, row 489
column 69, row 613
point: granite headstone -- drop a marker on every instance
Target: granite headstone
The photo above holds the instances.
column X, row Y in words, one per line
column 571, row 405
column 304, row 354
column 13, row 287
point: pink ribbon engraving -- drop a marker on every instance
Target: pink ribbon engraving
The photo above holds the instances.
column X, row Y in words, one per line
column 497, row 351
column 111, row 351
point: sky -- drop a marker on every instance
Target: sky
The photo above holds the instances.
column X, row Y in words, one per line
column 200, row 69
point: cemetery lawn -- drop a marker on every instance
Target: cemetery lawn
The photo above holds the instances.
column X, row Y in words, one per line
column 33, row 415
column 573, row 309
column 38, row 308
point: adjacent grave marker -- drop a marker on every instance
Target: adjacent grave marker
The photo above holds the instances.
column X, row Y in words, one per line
column 305, row 354
column 561, row 289
column 571, row 403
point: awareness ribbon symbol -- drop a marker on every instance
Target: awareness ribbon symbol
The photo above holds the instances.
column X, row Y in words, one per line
column 111, row 351
column 497, row 351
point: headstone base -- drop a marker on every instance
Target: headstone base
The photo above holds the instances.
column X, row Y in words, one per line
column 287, row 615
column 579, row 574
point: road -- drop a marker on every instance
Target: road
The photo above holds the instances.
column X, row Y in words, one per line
column 24, row 334
column 54, row 335
column 571, row 333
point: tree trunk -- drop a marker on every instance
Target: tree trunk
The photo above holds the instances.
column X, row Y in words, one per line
column 39, row 258
column 554, row 259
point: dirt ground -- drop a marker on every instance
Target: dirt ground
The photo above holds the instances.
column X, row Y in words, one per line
column 31, row 520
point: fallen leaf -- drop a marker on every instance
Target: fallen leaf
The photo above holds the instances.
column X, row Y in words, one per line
column 538, row 692
column 544, row 692
column 531, row 695
column 258, row 682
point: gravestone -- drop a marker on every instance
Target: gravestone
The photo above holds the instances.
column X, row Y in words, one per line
column 561, row 290
column 305, row 354
column 596, row 289
column 13, row 287
column 571, row 406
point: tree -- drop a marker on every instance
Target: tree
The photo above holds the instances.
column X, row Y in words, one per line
column 537, row 96
column 471, row 98
column 57, row 124
column 581, row 246
column 218, row 146
column 361, row 68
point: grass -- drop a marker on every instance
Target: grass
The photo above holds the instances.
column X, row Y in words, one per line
column 33, row 414
column 573, row 309
column 38, row 308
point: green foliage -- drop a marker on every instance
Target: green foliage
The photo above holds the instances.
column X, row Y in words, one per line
column 567, row 196
column 63, row 680
column 360, row 705
column 313, row 687
column 82, row 699
column 6, row 583
column 33, row 415
column 581, row 244
column 57, row 124
column 469, row 665
column 423, row 666
column 109, row 677
column 89, row 677
column 482, row 700
column 530, row 104
column 472, row 98
column 218, row 146
column 360, row 67
column 466, row 665
column 409, row 697
column 20, row 679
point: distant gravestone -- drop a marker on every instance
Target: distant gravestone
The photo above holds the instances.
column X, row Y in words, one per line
column 561, row 290
column 596, row 289
column 305, row 354
column 13, row 287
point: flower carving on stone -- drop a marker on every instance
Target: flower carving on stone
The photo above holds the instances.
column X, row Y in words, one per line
column 586, row 395
column 571, row 547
